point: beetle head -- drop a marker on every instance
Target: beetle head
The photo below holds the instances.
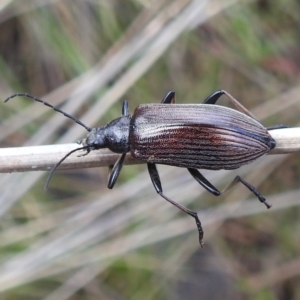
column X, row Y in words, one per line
column 113, row 136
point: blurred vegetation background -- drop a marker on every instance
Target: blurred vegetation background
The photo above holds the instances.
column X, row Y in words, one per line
column 79, row 240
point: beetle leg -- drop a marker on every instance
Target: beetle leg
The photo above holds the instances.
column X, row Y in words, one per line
column 279, row 126
column 208, row 186
column 203, row 181
column 115, row 171
column 87, row 151
column 250, row 187
column 213, row 98
column 169, row 98
column 125, row 109
column 158, row 187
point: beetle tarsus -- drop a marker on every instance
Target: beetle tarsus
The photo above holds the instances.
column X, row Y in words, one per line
column 267, row 205
column 199, row 227
column 88, row 150
column 263, row 200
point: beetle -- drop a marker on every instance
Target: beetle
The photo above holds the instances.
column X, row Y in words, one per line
column 192, row 136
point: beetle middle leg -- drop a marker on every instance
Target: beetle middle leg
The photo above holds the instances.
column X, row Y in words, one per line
column 169, row 98
column 158, row 187
column 209, row 187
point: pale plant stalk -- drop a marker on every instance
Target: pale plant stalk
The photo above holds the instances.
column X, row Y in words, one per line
column 40, row 158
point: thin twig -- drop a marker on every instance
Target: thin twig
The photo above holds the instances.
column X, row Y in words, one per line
column 38, row 158
column 287, row 140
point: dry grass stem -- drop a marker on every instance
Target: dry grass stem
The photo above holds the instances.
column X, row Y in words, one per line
column 38, row 158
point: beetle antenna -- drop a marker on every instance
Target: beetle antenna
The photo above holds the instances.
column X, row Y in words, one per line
column 48, row 104
column 59, row 163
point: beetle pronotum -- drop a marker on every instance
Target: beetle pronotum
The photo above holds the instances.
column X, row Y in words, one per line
column 192, row 136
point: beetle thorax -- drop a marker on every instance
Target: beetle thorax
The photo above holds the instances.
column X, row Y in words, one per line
column 113, row 136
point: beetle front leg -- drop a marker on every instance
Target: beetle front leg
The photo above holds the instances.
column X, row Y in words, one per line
column 115, row 171
column 88, row 150
column 209, row 187
column 158, row 187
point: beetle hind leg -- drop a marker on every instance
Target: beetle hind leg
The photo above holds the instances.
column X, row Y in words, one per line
column 214, row 97
column 209, row 187
column 158, row 187
column 238, row 179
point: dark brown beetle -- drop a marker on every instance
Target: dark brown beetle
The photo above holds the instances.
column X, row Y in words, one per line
column 192, row 136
